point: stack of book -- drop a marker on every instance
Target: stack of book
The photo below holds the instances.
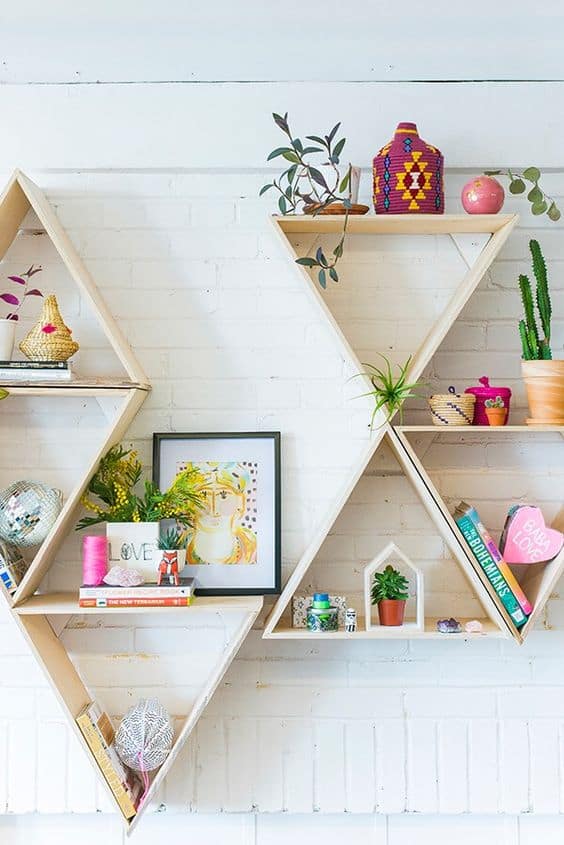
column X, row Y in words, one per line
column 98, row 731
column 491, row 562
column 35, row 371
column 147, row 595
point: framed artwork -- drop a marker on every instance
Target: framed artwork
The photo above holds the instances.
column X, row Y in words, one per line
column 234, row 546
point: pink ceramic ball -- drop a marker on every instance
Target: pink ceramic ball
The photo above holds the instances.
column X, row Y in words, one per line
column 482, row 195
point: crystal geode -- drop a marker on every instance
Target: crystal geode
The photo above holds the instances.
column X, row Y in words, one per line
column 120, row 577
column 449, row 626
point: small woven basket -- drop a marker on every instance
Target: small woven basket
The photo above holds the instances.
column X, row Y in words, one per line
column 49, row 339
column 452, row 408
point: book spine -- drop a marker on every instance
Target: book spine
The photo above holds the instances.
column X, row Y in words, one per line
column 491, row 570
column 184, row 601
column 100, row 755
column 135, row 592
column 503, row 567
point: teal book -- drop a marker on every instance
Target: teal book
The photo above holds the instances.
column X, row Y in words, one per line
column 491, row 569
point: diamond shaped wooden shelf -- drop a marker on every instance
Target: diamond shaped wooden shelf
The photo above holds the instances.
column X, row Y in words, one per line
column 42, row 616
column 477, row 240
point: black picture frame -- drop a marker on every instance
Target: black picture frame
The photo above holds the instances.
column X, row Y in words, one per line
column 275, row 589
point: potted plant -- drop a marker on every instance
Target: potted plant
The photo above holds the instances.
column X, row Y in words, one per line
column 132, row 519
column 302, row 186
column 15, row 301
column 496, row 411
column 389, row 592
column 389, row 391
column 544, row 378
column 172, row 544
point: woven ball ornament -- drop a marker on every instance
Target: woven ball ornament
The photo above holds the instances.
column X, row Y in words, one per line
column 28, row 511
column 408, row 175
column 144, row 737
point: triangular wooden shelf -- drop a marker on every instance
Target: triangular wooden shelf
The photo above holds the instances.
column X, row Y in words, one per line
column 42, row 617
column 477, row 261
column 493, row 621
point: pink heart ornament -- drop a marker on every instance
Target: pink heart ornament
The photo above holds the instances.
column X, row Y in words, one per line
column 528, row 540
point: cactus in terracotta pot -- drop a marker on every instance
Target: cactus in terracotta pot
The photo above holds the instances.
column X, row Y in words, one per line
column 495, row 411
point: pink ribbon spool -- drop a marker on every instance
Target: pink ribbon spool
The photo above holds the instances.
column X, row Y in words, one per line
column 94, row 560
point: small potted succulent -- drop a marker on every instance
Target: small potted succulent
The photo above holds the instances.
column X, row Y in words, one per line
column 389, row 593
column 496, row 411
column 172, row 544
column 543, row 376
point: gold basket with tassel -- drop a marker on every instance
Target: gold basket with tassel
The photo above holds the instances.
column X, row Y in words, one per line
column 49, row 339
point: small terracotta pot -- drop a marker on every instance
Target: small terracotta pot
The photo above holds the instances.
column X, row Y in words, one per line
column 544, row 381
column 391, row 612
column 496, row 416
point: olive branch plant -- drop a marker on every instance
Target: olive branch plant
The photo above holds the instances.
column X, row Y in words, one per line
column 540, row 201
column 303, row 187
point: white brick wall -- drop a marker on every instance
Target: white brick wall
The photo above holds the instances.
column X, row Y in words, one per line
column 356, row 728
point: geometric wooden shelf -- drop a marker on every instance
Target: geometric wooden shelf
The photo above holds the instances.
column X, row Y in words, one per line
column 42, row 617
column 540, row 581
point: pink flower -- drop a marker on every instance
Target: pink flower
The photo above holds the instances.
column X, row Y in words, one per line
column 48, row 328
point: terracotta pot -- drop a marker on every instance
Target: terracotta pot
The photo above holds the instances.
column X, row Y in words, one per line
column 391, row 612
column 544, row 381
column 496, row 416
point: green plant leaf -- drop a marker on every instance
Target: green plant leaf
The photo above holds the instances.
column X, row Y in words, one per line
column 317, row 176
column 308, row 150
column 281, row 122
column 347, row 203
column 322, row 279
column 278, row 152
column 333, row 132
column 539, row 208
column 333, row 273
column 535, row 195
column 307, row 262
column 317, row 139
column 345, row 182
column 532, row 174
column 298, row 145
column 517, row 186
column 289, row 155
column 338, row 251
column 554, row 212
column 338, row 148
column 265, row 188
column 493, row 173
column 282, row 205
column 320, row 257
column 291, row 173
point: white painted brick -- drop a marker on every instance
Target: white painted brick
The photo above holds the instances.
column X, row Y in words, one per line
column 80, row 785
column 269, row 777
column 51, row 772
column 22, row 759
column 300, row 829
column 483, row 775
column 422, row 775
column 464, row 830
column 452, row 765
column 360, row 767
column 545, row 765
column 329, row 768
column 513, row 766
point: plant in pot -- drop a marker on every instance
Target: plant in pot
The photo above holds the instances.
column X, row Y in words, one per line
column 389, row 593
column 496, row 411
column 172, row 545
column 544, row 377
column 389, row 391
column 15, row 301
column 133, row 518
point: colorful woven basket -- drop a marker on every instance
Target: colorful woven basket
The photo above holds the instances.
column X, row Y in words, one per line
column 486, row 391
column 50, row 339
column 452, row 408
column 408, row 175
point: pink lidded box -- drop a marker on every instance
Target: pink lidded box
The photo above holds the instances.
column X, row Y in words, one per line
column 486, row 391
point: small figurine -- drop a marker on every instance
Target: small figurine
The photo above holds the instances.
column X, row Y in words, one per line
column 350, row 620
column 168, row 567
column 449, row 626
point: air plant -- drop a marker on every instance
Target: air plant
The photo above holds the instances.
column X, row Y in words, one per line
column 17, row 301
column 303, row 187
column 540, row 201
column 389, row 390
column 535, row 347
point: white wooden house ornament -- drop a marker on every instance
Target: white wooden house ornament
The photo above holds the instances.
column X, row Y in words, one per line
column 390, row 554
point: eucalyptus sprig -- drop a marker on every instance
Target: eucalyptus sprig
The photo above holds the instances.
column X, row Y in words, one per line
column 540, row 201
column 302, row 187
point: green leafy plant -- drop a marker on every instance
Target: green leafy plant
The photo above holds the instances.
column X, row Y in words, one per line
column 494, row 403
column 536, row 344
column 540, row 201
column 302, row 186
column 389, row 584
column 389, row 390
column 172, row 539
column 113, row 485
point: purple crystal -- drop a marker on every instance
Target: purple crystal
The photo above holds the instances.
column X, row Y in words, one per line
column 449, row 626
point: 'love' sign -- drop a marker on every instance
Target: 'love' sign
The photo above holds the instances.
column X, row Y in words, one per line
column 528, row 540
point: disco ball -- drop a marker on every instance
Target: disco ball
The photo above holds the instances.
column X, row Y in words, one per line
column 28, row 511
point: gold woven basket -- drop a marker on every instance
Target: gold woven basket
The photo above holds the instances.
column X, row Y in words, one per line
column 452, row 408
column 50, row 339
